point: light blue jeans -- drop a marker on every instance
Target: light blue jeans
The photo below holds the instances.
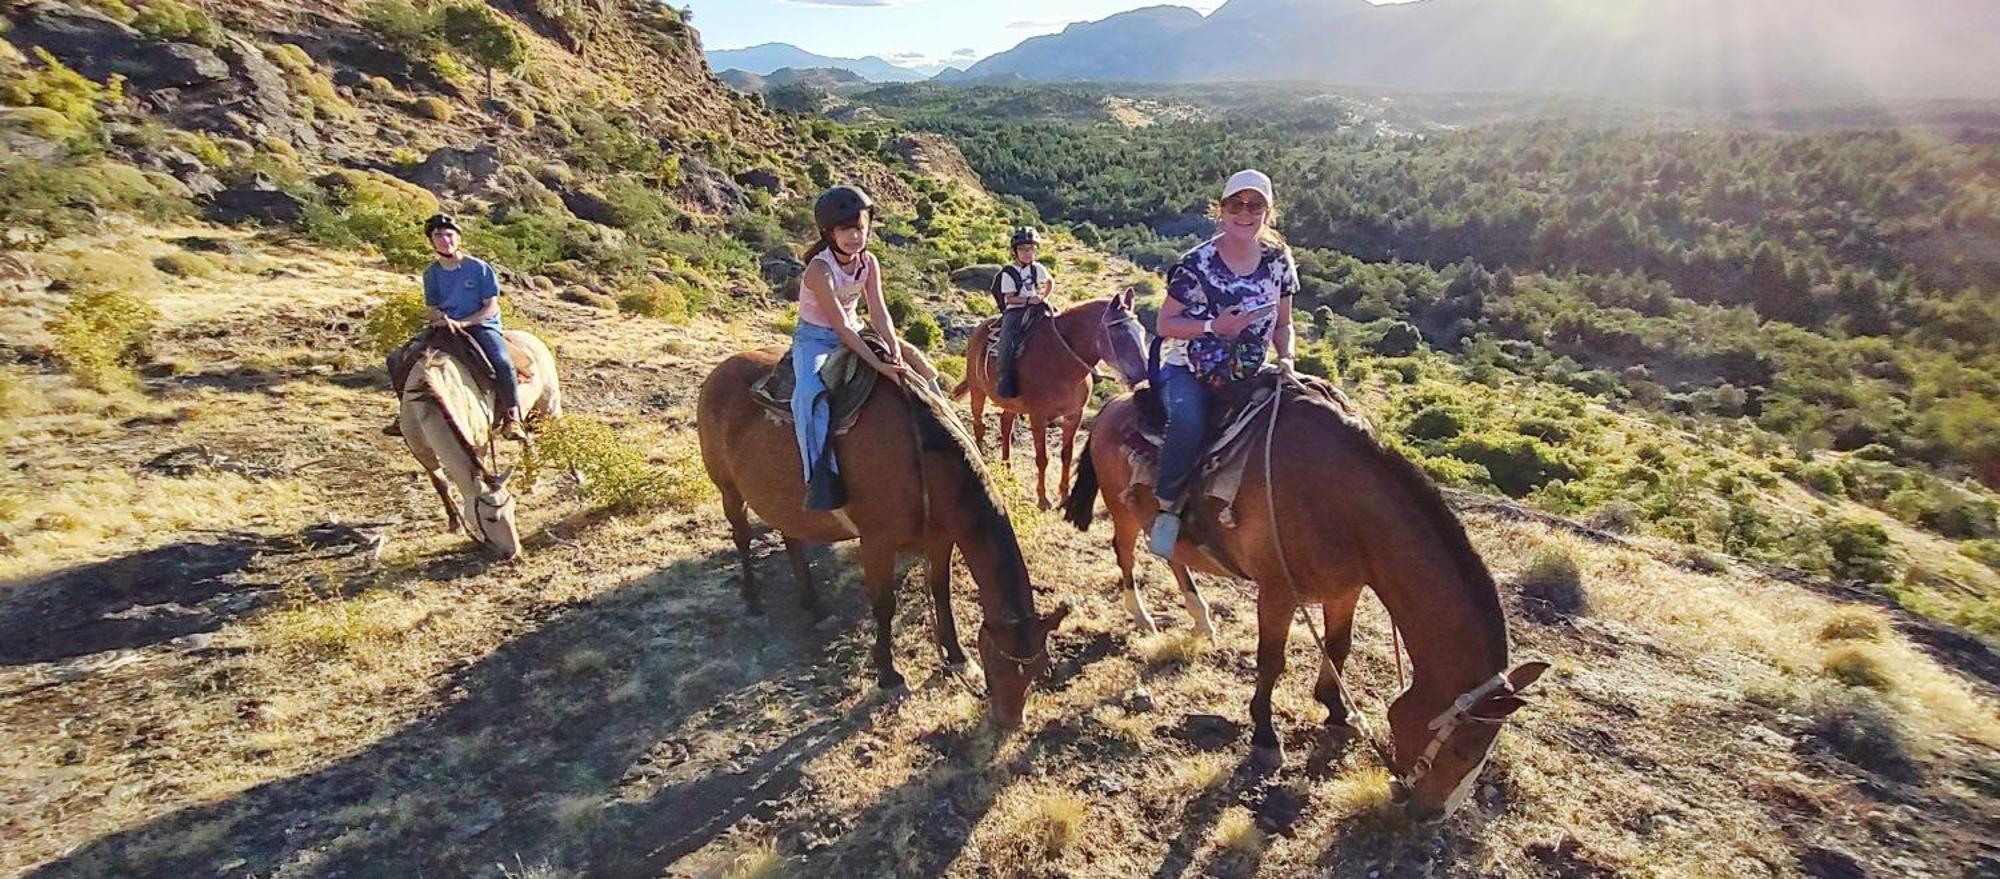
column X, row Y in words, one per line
column 812, row 415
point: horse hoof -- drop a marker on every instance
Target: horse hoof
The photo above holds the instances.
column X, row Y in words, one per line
column 1340, row 730
column 955, row 664
column 889, row 680
column 1267, row 758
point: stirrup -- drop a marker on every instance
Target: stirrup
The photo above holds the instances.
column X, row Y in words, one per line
column 1166, row 533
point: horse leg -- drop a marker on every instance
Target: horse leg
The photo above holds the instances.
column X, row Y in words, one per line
column 1040, row 425
column 978, row 401
column 453, row 522
column 1197, row 607
column 1338, row 615
column 937, row 573
column 735, row 511
column 878, row 570
column 801, row 572
column 1124, row 538
column 1273, row 628
column 1069, row 423
column 1007, row 438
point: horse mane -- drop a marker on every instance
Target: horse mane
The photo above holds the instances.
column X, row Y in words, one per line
column 447, row 384
column 1423, row 493
column 939, row 430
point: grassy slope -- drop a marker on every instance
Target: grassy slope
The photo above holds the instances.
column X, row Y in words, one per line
column 604, row 703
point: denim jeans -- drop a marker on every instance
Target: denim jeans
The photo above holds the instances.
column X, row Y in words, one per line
column 1186, row 401
column 1010, row 330
column 489, row 340
column 812, row 415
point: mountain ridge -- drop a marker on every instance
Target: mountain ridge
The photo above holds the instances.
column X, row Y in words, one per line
column 764, row 59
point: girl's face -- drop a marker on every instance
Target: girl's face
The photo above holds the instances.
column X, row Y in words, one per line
column 1026, row 253
column 1243, row 214
column 852, row 238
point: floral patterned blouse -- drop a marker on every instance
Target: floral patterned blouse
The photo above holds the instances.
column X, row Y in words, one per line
column 1206, row 287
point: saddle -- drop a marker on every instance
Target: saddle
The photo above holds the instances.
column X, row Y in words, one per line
column 461, row 348
column 1237, row 421
column 848, row 384
column 1038, row 314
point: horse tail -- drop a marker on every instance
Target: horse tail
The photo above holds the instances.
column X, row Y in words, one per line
column 1082, row 500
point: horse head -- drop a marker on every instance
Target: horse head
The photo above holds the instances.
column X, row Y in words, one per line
column 493, row 515
column 1440, row 746
column 1014, row 653
column 1123, row 343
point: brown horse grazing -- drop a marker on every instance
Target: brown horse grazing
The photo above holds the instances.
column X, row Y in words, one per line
column 913, row 482
column 1346, row 512
column 447, row 422
column 1055, row 366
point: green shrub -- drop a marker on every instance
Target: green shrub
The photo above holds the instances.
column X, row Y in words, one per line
column 1859, row 550
column 1515, row 464
column 116, row 10
column 1825, row 479
column 187, row 265
column 177, row 22
column 1985, row 552
column 922, row 330
column 100, row 334
column 1315, row 364
column 306, row 79
column 1398, row 339
column 522, row 118
column 373, row 209
column 51, row 85
column 1553, row 579
column 393, row 321
column 1437, row 421
column 62, row 198
column 431, row 107
column 615, row 472
column 656, row 299
column 403, row 24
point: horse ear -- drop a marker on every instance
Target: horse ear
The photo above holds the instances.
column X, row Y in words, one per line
column 497, row 481
column 1497, row 707
column 1055, row 617
column 1522, row 676
column 1127, row 296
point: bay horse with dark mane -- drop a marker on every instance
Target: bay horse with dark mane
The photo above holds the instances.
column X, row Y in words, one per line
column 913, row 482
column 1324, row 509
column 1053, row 373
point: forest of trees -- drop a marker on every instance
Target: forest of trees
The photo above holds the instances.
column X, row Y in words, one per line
column 1840, row 288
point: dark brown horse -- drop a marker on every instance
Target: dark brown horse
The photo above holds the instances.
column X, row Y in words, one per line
column 912, row 483
column 1055, row 367
column 1347, row 512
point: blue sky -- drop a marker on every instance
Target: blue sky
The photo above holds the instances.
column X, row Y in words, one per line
column 923, row 34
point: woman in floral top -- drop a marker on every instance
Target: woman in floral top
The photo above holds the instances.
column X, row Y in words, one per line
column 1228, row 299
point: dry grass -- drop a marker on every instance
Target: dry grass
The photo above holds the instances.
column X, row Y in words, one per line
column 1237, row 833
column 1854, row 624
column 1042, row 827
column 1173, row 648
column 1856, row 666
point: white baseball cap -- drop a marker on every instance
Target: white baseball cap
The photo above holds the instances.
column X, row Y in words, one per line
column 1249, row 178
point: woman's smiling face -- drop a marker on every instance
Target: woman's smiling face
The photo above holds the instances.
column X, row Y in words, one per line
column 1243, row 214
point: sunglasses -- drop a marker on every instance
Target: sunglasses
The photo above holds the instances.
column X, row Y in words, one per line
column 1243, row 206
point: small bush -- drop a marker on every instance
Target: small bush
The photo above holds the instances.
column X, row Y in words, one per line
column 1516, row 464
column 100, row 334
column 1617, row 517
column 615, row 471
column 1855, row 666
column 1985, row 552
column 1863, row 730
column 1853, row 624
column 53, row 86
column 658, row 300
column 1859, row 550
column 522, row 118
column 922, row 330
column 431, row 107
column 1824, row 478
column 116, row 10
column 1398, row 339
column 393, row 321
column 187, row 265
column 1552, row 578
column 1701, row 561
column 371, row 208
column 177, row 22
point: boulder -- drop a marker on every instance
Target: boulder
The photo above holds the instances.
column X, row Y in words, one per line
column 97, row 47
column 976, row 277
column 706, row 186
column 781, row 272
column 451, row 172
column 587, row 204
column 258, row 199
column 762, row 178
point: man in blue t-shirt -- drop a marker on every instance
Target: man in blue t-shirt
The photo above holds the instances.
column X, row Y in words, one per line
column 463, row 294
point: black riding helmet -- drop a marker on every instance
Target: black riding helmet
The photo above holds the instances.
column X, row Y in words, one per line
column 1027, row 235
column 440, row 221
column 840, row 206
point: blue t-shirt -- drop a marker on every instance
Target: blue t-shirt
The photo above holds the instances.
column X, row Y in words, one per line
column 460, row 292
